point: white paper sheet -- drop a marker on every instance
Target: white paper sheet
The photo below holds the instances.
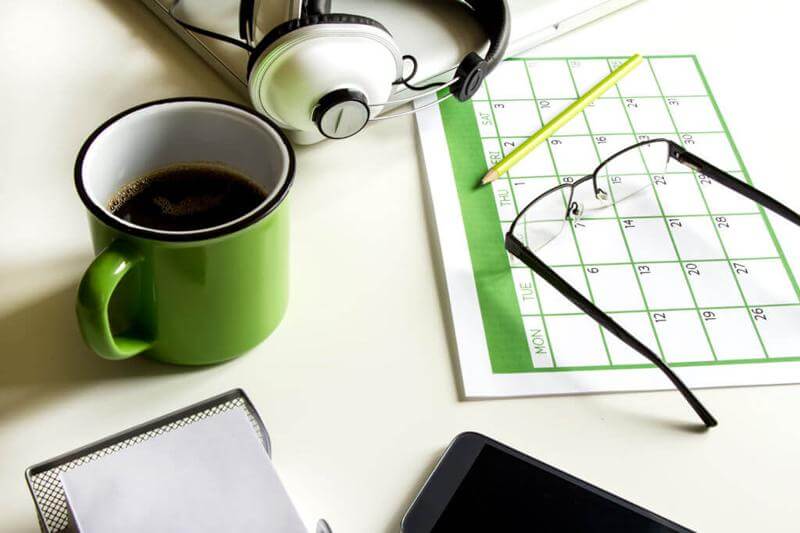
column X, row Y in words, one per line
column 207, row 477
column 692, row 269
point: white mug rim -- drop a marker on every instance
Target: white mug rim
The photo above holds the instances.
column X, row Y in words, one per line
column 255, row 215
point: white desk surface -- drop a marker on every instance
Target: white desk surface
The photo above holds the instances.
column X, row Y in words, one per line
column 357, row 387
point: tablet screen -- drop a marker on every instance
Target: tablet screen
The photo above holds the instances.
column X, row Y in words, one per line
column 504, row 493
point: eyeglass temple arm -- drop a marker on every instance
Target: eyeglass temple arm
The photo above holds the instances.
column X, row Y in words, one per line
column 550, row 276
column 735, row 184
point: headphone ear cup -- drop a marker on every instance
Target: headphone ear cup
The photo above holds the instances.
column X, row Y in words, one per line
column 289, row 26
column 303, row 60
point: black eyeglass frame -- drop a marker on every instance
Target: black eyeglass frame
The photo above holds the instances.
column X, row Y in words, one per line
column 677, row 152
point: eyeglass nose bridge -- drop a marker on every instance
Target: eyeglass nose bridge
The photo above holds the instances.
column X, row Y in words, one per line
column 575, row 211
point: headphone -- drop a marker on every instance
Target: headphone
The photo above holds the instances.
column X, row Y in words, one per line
column 332, row 73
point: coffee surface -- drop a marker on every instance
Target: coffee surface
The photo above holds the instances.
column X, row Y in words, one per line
column 187, row 197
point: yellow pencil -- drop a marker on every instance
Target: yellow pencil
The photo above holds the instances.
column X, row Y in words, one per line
column 562, row 118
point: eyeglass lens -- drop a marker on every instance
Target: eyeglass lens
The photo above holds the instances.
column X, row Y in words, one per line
column 618, row 178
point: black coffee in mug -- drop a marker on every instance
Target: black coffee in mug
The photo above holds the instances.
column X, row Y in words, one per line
column 187, row 197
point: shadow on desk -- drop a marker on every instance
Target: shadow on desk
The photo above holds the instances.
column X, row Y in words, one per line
column 438, row 268
column 44, row 358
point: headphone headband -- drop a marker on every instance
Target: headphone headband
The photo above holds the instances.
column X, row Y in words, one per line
column 340, row 99
column 492, row 15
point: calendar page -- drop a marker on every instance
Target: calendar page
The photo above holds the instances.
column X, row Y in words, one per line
column 692, row 269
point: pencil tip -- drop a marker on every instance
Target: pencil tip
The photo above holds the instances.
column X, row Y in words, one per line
column 490, row 177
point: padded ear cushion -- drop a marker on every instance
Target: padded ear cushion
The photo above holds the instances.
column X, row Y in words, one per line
column 295, row 24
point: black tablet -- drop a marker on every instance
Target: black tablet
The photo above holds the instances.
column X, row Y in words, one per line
column 482, row 485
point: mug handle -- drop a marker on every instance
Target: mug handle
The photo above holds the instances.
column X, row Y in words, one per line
column 94, row 294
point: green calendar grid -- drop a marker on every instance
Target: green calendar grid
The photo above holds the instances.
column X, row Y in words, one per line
column 506, row 334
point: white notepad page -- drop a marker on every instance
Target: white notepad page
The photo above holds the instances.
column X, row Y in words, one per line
column 209, row 476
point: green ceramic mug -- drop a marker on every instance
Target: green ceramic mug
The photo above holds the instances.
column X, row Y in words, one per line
column 185, row 297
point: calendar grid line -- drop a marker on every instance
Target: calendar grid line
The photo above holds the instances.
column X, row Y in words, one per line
column 591, row 297
column 578, row 246
column 658, row 262
column 682, row 138
column 747, row 178
column 613, row 205
column 640, row 285
column 669, row 233
column 622, row 174
column 601, row 58
column 675, row 364
column 654, row 217
column 533, row 278
column 675, row 309
column 616, row 134
column 539, row 114
column 556, row 99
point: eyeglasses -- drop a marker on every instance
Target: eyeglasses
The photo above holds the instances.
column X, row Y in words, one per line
column 625, row 174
